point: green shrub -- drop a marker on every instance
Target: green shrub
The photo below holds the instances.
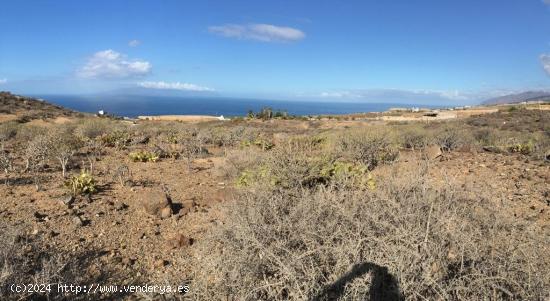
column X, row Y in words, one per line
column 522, row 148
column 357, row 176
column 81, row 184
column 143, row 156
column 258, row 142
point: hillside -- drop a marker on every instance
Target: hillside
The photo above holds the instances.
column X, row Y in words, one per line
column 520, row 97
column 26, row 108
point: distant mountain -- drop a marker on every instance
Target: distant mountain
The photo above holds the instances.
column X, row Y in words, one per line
column 520, row 97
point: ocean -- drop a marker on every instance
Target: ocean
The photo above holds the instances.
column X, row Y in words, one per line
column 133, row 106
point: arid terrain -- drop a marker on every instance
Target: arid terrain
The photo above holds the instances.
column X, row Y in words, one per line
column 340, row 208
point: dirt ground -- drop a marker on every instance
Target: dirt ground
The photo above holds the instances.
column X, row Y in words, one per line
column 118, row 235
column 134, row 243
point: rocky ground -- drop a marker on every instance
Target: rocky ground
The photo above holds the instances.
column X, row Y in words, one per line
column 143, row 229
column 137, row 240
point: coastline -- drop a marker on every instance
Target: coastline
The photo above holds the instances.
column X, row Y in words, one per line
column 186, row 118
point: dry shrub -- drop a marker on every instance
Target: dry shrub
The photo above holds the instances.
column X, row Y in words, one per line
column 6, row 162
column 414, row 137
column 451, row 137
column 8, row 130
column 28, row 132
column 237, row 160
column 294, row 165
column 93, row 128
column 370, row 147
column 405, row 240
column 225, row 137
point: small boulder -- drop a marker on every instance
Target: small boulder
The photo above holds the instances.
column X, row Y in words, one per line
column 68, row 201
column 155, row 202
column 78, row 221
column 432, row 152
column 160, row 263
column 166, row 212
column 179, row 241
column 119, row 206
column 492, row 149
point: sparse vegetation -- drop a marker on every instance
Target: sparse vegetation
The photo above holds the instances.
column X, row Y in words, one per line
column 285, row 209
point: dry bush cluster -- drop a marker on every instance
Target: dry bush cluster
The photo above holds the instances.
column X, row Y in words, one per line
column 370, row 147
column 406, row 239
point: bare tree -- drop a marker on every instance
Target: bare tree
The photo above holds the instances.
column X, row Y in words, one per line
column 64, row 146
column 36, row 155
column 192, row 145
column 94, row 149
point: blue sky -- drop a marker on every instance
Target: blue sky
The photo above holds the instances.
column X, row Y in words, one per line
column 437, row 51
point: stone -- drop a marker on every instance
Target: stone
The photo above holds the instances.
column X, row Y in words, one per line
column 78, row 221
column 165, row 213
column 119, row 206
column 68, row 201
column 179, row 241
column 160, row 263
column 40, row 217
column 432, row 152
column 155, row 202
column 128, row 261
column 492, row 149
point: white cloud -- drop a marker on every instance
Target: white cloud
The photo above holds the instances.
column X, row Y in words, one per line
column 134, row 43
column 408, row 96
column 174, row 86
column 259, row 32
column 111, row 64
column 545, row 60
column 3, row 81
